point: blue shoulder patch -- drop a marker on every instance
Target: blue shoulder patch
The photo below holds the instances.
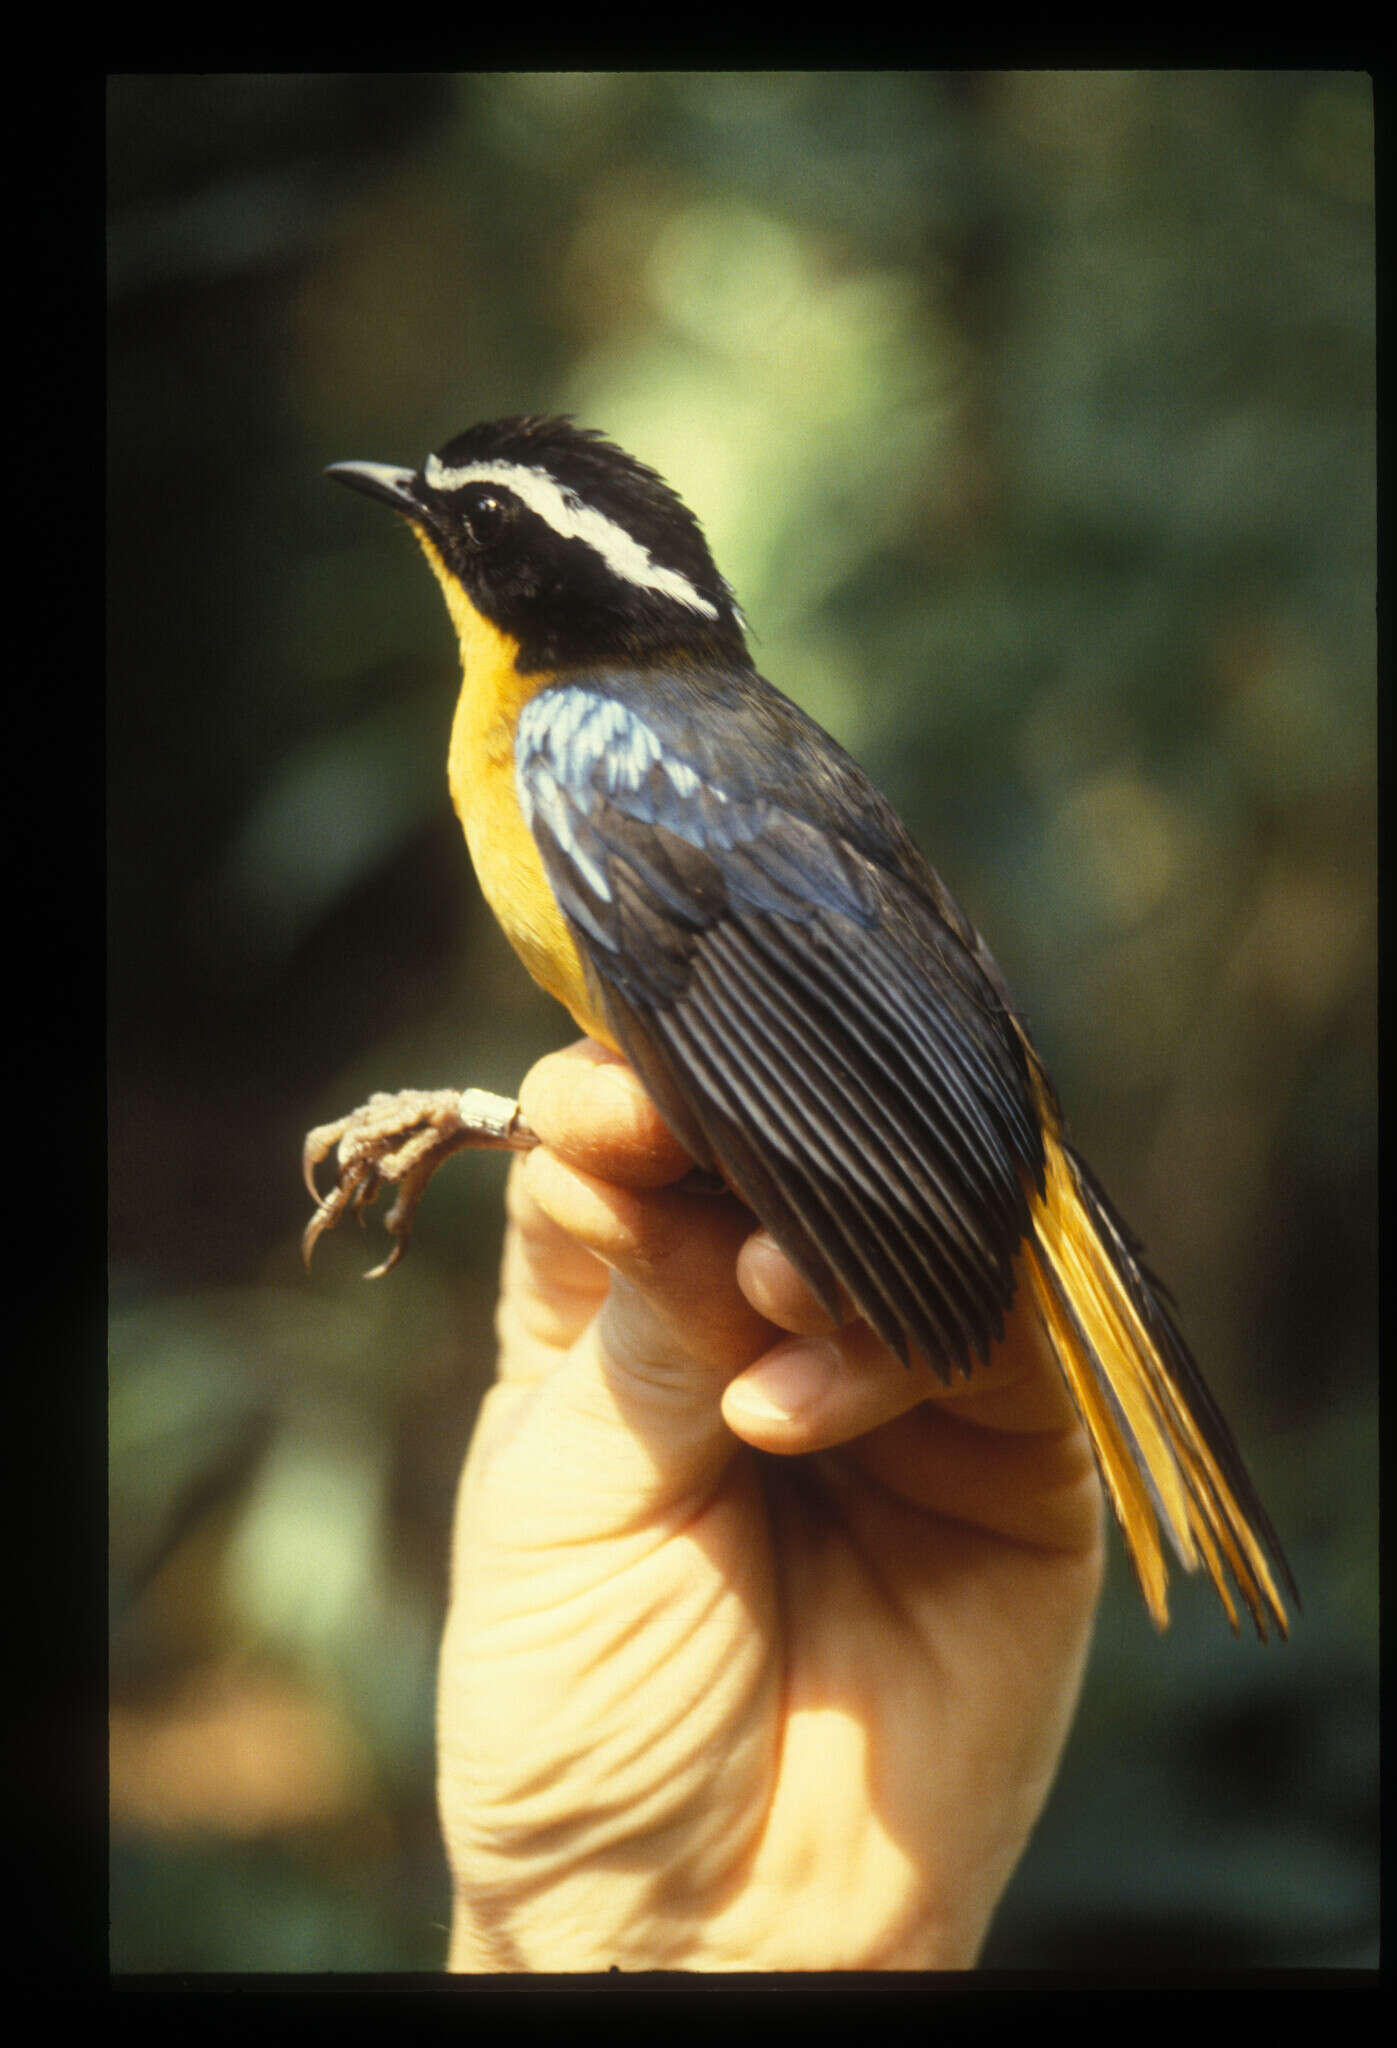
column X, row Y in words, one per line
column 579, row 741
column 595, row 774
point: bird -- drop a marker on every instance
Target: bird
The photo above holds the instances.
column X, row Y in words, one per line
column 717, row 892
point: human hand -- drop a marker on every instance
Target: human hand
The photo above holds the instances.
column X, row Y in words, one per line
column 702, row 1706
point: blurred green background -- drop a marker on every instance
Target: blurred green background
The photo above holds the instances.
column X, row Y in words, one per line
column 1032, row 417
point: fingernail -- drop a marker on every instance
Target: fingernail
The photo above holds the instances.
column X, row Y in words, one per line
column 788, row 1381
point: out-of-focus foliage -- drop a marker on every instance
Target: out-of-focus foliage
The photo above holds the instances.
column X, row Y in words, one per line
column 1032, row 417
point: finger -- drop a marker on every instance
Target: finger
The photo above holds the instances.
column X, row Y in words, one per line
column 811, row 1393
column 625, row 1424
column 550, row 1286
column 1021, row 1388
column 678, row 1305
column 1018, row 1388
column 1038, row 1487
column 589, row 1109
column 780, row 1293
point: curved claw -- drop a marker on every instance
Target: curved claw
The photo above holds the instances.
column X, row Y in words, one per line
column 402, row 1138
column 324, row 1219
column 387, row 1265
column 318, row 1143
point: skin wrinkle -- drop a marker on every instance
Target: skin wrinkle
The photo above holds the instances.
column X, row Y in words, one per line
column 669, row 1875
column 807, row 1712
column 774, row 1670
column 834, row 1501
column 637, row 1738
column 1071, row 1494
column 656, row 1729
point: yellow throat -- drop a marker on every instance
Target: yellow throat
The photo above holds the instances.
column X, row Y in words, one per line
column 480, row 773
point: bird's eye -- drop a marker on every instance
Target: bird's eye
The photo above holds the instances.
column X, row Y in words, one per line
column 486, row 516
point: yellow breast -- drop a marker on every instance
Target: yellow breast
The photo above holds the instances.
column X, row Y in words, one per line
column 480, row 772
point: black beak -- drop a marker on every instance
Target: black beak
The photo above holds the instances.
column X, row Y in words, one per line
column 393, row 487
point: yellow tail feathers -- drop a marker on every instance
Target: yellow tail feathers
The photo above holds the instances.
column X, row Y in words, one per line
column 1166, row 1456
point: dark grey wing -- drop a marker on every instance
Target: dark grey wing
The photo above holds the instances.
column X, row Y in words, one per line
column 805, row 1004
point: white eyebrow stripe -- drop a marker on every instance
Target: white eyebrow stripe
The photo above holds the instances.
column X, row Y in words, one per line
column 565, row 512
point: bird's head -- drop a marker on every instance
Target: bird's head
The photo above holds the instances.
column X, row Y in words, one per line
column 564, row 543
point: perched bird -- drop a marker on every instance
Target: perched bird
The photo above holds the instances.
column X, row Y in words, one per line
column 716, row 890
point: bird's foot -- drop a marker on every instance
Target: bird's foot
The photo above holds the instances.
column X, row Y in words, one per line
column 402, row 1138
